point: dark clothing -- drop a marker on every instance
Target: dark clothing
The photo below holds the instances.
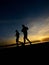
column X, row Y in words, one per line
column 24, row 30
column 17, row 37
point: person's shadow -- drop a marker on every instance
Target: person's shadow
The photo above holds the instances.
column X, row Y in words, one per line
column 22, row 44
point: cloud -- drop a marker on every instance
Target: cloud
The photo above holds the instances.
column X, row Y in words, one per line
column 46, row 39
column 40, row 28
column 7, row 41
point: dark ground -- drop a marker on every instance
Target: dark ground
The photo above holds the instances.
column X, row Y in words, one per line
column 23, row 49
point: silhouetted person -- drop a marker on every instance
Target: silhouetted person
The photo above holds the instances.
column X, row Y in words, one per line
column 17, row 37
column 24, row 30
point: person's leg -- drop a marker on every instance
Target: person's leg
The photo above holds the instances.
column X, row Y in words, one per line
column 24, row 40
column 17, row 41
column 28, row 40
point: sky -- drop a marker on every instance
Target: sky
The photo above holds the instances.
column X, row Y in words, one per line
column 32, row 13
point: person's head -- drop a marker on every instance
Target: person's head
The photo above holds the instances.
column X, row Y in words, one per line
column 16, row 30
column 23, row 25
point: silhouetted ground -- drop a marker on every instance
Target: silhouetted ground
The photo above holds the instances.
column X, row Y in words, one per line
column 28, row 48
